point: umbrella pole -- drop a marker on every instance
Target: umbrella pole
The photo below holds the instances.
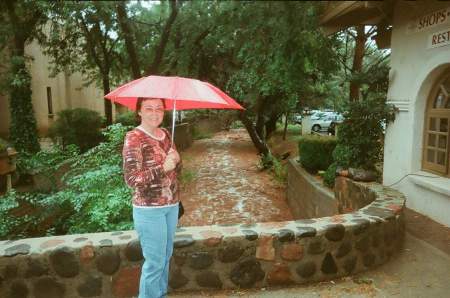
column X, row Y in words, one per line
column 174, row 111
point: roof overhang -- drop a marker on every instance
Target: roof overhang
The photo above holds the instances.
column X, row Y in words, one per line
column 343, row 14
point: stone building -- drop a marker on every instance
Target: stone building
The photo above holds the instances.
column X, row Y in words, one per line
column 416, row 153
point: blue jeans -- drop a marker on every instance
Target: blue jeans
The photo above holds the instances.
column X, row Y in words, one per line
column 156, row 230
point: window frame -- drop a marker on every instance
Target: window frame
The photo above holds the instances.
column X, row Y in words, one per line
column 442, row 113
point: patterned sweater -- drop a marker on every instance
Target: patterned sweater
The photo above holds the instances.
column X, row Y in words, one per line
column 143, row 159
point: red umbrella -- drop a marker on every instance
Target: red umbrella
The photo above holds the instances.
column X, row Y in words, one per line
column 179, row 94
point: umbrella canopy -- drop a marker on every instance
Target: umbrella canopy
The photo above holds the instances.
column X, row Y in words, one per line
column 184, row 93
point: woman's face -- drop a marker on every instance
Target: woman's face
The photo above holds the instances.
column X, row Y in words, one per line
column 152, row 112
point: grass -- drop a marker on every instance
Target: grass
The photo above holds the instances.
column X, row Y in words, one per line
column 187, row 176
column 279, row 171
column 278, row 146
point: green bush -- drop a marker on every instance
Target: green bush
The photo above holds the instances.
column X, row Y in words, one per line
column 360, row 136
column 96, row 191
column 45, row 160
column 28, row 223
column 79, row 126
column 274, row 165
column 316, row 152
column 279, row 171
column 330, row 175
column 236, row 124
column 127, row 119
column 46, row 163
column 95, row 197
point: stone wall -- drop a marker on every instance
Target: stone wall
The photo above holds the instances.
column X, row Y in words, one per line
column 307, row 197
column 352, row 195
column 234, row 256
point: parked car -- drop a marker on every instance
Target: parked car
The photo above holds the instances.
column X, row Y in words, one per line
column 322, row 121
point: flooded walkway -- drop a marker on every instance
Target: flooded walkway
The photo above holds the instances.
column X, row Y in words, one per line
column 227, row 186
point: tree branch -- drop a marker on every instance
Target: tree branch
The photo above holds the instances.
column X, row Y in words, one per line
column 90, row 43
column 153, row 69
column 128, row 37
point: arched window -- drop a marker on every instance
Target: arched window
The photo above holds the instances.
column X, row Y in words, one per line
column 436, row 147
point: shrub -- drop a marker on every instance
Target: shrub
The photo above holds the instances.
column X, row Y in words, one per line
column 127, row 119
column 79, row 126
column 274, row 165
column 47, row 165
column 279, row 170
column 45, row 160
column 360, row 136
column 95, row 197
column 236, row 124
column 330, row 175
column 96, row 191
column 316, row 152
column 28, row 223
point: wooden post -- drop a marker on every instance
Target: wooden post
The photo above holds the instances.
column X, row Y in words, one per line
column 8, row 182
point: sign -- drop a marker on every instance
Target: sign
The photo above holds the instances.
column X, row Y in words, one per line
column 439, row 39
column 430, row 20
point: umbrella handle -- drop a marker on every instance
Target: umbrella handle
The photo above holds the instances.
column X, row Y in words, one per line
column 173, row 121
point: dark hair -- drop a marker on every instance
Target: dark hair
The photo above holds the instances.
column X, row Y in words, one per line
column 140, row 101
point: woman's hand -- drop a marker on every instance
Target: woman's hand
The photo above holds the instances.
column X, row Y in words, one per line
column 174, row 155
column 169, row 164
column 172, row 159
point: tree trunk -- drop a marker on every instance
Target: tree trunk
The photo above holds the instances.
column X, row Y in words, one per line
column 357, row 61
column 176, row 44
column 260, row 145
column 107, row 102
column 259, row 126
column 260, row 119
column 154, row 67
column 128, row 37
column 203, row 68
column 271, row 125
column 195, row 58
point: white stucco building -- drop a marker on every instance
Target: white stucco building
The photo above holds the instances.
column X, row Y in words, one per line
column 416, row 155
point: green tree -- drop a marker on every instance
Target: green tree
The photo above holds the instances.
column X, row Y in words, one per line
column 146, row 34
column 364, row 67
column 21, row 21
column 83, row 37
column 265, row 54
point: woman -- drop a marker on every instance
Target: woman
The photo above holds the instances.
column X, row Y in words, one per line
column 150, row 168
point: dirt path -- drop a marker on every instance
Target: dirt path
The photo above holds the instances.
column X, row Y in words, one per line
column 227, row 186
